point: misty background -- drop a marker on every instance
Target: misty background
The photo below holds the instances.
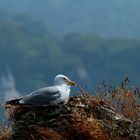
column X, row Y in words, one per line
column 87, row 40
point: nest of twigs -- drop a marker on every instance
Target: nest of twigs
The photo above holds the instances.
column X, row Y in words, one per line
column 84, row 117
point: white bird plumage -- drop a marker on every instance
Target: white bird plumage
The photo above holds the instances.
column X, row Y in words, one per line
column 51, row 95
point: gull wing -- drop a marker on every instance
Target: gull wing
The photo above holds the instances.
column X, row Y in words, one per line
column 43, row 96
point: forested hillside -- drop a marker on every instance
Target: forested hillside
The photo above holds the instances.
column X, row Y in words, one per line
column 34, row 56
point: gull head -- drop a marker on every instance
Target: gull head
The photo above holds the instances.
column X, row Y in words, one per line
column 63, row 80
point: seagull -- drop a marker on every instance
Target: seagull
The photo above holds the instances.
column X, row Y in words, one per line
column 51, row 95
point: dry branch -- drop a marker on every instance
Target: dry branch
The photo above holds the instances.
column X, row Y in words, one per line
column 83, row 117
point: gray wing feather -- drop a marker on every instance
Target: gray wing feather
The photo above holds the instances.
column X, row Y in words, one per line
column 43, row 96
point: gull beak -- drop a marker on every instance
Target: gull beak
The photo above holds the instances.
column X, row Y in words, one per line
column 71, row 83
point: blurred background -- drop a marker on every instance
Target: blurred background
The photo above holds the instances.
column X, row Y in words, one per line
column 87, row 40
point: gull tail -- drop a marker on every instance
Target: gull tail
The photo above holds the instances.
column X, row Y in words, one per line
column 13, row 102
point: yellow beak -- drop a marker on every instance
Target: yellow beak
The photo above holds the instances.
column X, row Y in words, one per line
column 71, row 83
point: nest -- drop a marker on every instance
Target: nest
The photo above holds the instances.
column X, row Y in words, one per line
column 83, row 117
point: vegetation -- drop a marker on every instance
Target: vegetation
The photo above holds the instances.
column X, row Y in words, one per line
column 5, row 132
column 113, row 113
column 35, row 56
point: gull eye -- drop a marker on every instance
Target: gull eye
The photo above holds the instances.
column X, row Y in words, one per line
column 64, row 78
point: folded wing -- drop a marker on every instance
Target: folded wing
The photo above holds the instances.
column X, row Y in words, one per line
column 43, row 96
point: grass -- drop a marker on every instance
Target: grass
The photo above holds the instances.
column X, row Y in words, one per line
column 124, row 99
column 5, row 132
column 113, row 114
